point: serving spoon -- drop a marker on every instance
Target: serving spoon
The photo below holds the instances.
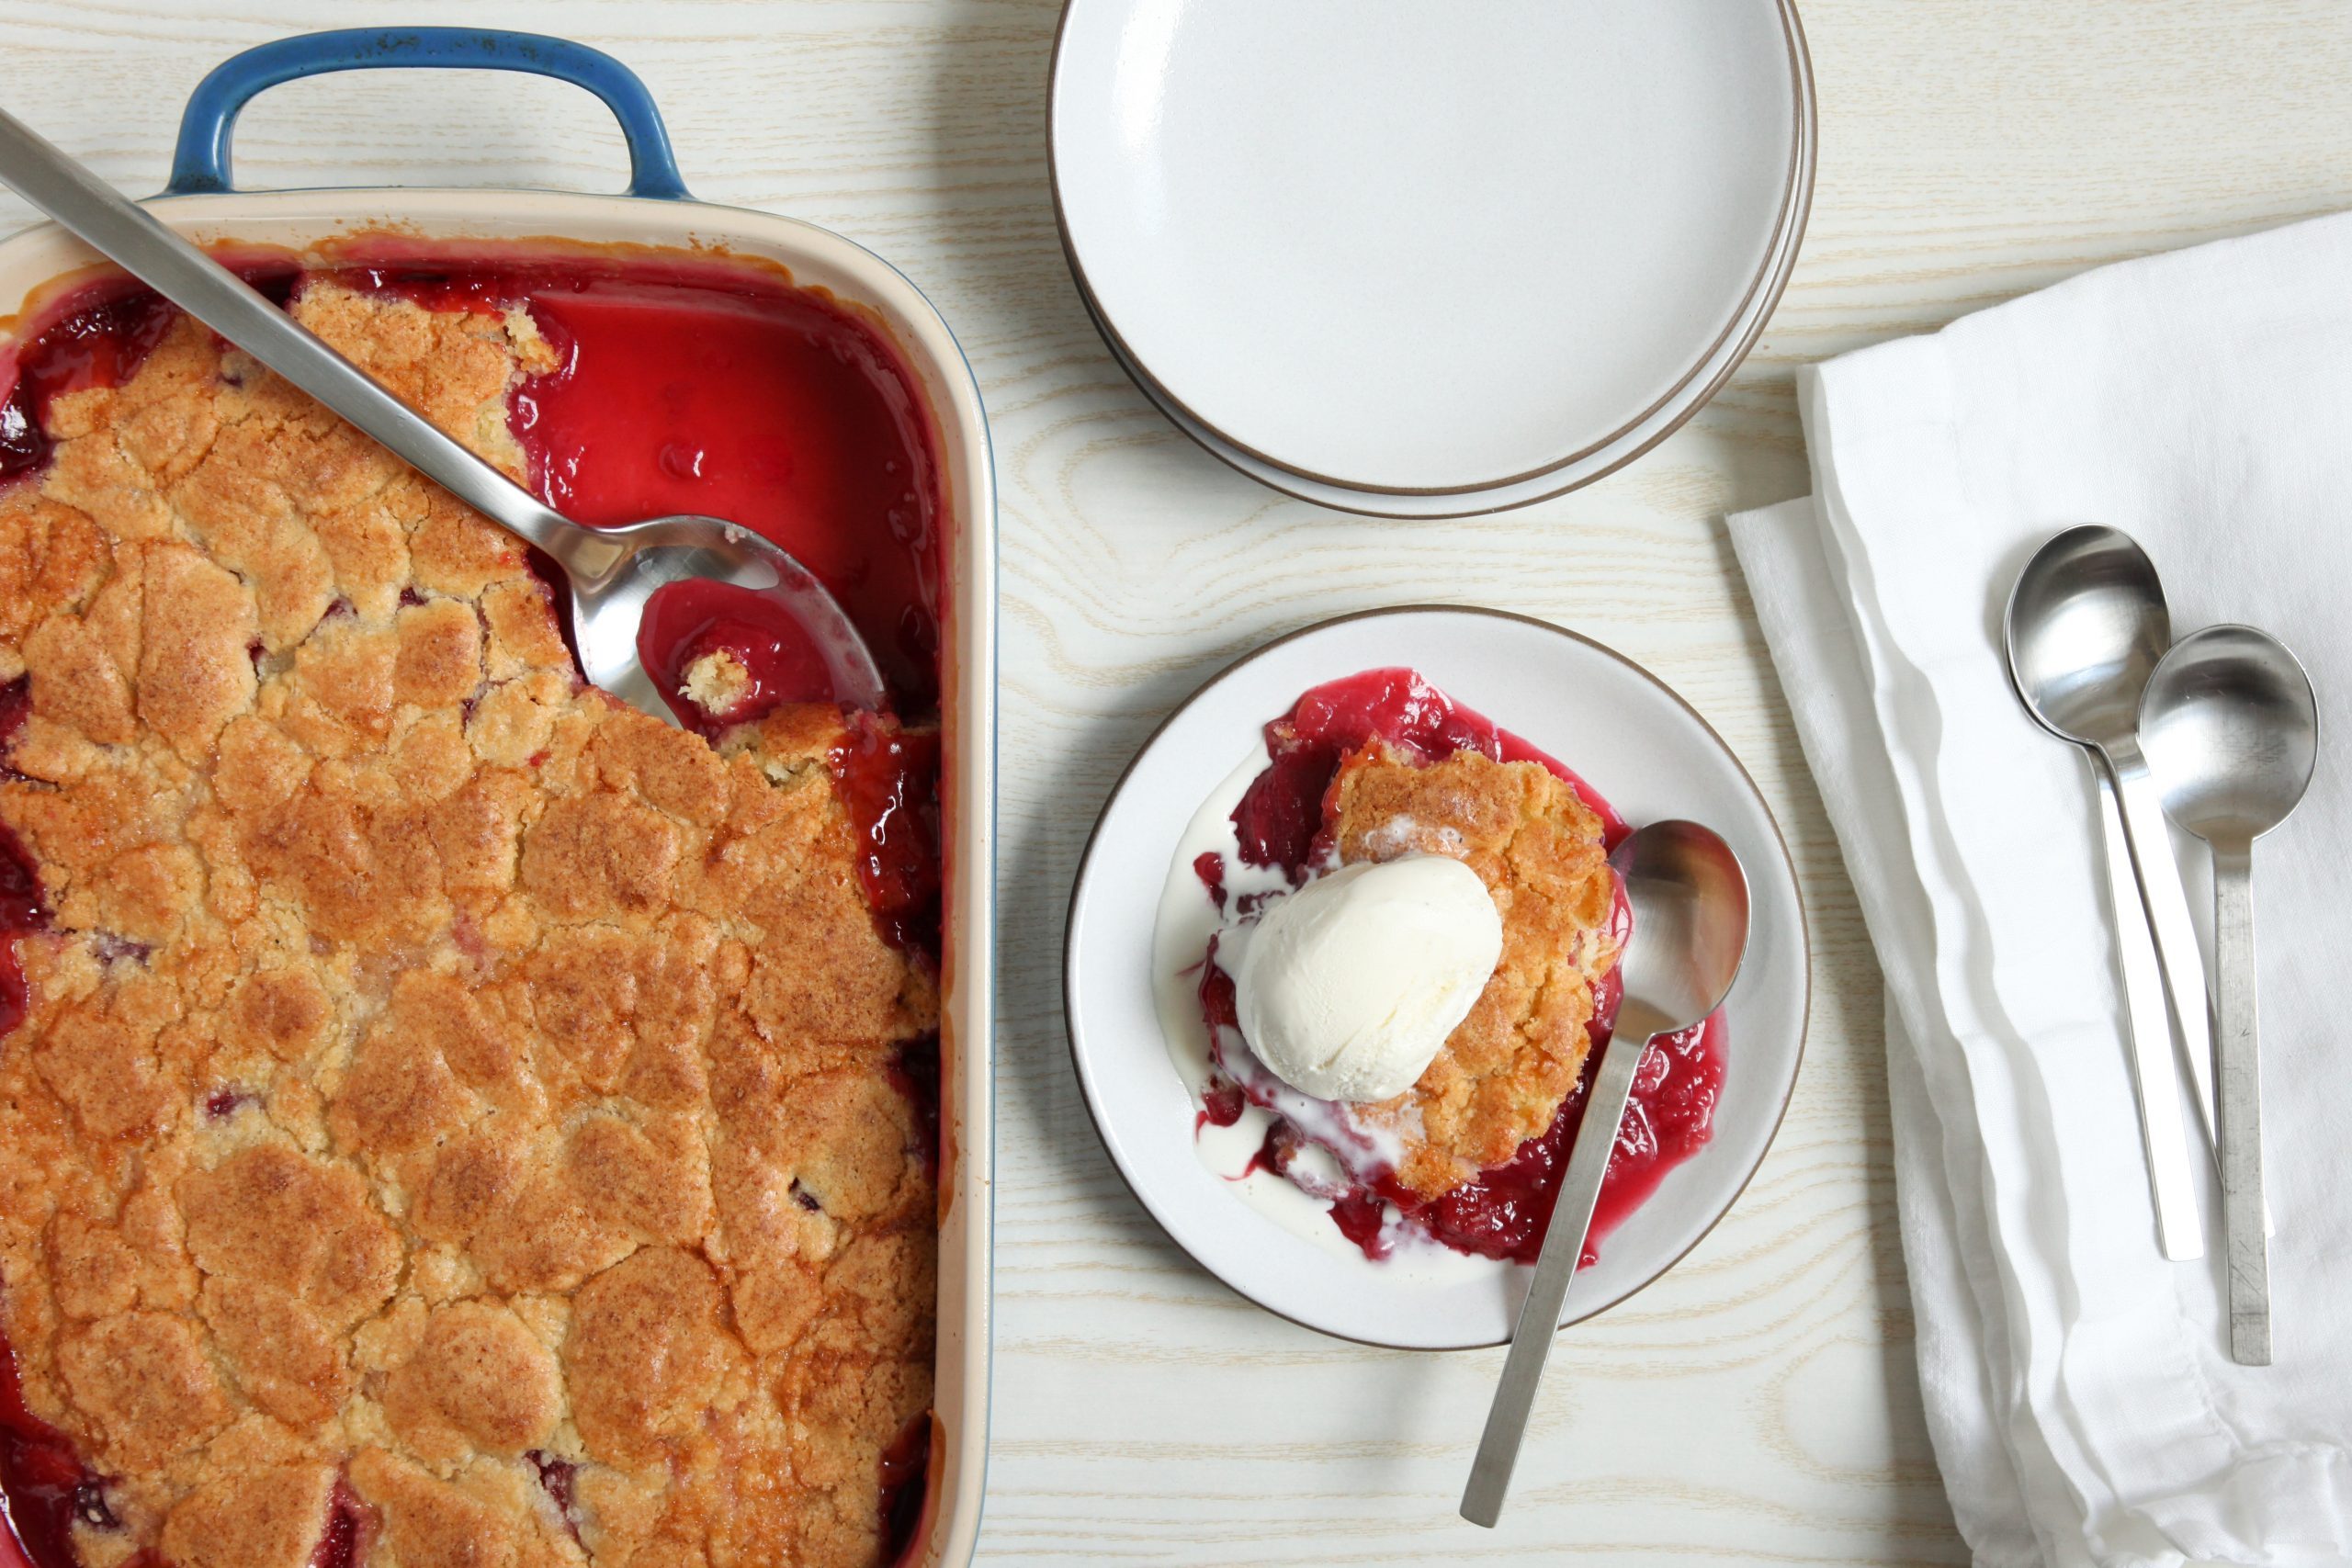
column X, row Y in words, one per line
column 1689, row 902
column 611, row 572
column 2084, row 629
column 2232, row 736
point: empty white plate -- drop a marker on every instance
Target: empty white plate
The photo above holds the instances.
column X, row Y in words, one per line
column 1636, row 440
column 1638, row 744
column 1420, row 250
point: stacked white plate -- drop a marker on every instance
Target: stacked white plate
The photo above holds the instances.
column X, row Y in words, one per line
column 1425, row 259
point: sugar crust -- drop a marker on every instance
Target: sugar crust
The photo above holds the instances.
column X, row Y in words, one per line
column 1504, row 1071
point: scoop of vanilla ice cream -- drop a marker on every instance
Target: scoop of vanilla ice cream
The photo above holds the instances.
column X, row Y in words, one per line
column 1349, row 985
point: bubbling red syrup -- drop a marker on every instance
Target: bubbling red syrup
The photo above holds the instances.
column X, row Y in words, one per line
column 688, row 621
column 43, row 1486
column 737, row 396
column 97, row 335
column 22, row 910
column 888, row 779
column 1504, row 1211
column 559, row 1479
column 351, row 1525
column 906, row 1476
column 914, row 1071
column 766, row 405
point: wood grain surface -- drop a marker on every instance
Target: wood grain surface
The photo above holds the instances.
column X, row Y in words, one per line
column 1760, row 1404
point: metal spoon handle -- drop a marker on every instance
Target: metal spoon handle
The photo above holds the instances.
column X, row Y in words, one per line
column 1556, row 1266
column 136, row 242
column 2242, row 1198
column 2166, row 902
column 2171, row 1179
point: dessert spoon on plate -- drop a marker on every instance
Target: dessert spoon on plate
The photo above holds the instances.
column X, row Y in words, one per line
column 2233, row 737
column 1689, row 902
column 612, row 572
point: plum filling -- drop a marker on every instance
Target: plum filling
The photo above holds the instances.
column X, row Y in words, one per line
column 559, row 1479
column 22, row 912
column 351, row 1524
column 889, row 779
column 44, row 1488
column 724, row 656
column 108, row 948
column 223, row 1103
column 914, row 1072
column 906, row 1467
column 1221, row 1103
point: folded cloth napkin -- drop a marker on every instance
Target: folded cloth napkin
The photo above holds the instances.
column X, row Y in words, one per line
column 2082, row 1403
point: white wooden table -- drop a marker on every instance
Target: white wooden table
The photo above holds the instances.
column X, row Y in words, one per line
column 1759, row 1404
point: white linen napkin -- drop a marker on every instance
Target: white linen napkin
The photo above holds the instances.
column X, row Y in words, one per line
column 2081, row 1400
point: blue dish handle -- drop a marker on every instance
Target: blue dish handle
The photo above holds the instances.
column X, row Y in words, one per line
column 201, row 160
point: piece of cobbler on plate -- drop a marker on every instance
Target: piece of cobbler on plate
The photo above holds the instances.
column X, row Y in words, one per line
column 1415, row 954
column 446, row 1116
column 1505, row 1068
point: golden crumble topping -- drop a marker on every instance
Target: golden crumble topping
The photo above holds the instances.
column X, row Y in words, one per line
column 1504, row 1071
column 715, row 682
column 448, row 1099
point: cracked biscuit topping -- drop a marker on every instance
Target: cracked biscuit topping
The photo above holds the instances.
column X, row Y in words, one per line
column 452, row 1115
column 1505, row 1070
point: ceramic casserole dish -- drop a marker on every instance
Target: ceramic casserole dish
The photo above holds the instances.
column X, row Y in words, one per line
column 657, row 211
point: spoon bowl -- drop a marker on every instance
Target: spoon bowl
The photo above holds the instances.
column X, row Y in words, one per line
column 635, row 562
column 2231, row 728
column 2084, row 626
column 1689, row 902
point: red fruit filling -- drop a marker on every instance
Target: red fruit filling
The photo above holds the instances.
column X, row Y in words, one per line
column 351, row 1525
column 914, row 1072
column 889, row 781
column 559, row 1478
column 43, row 1487
column 724, row 655
column 752, row 401
column 906, row 1475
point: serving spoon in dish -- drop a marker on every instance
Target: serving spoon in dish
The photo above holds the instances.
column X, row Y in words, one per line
column 1689, row 900
column 611, row 572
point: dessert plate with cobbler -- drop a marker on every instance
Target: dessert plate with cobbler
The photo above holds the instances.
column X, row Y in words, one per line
column 1343, row 946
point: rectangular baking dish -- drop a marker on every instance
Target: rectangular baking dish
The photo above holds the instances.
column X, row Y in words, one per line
column 200, row 203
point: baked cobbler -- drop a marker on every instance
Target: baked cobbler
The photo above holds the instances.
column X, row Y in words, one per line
column 1381, row 767
column 1505, row 1070
column 449, row 1117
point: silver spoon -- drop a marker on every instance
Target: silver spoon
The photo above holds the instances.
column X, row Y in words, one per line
column 2084, row 627
column 2232, row 735
column 1689, row 901
column 612, row 571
